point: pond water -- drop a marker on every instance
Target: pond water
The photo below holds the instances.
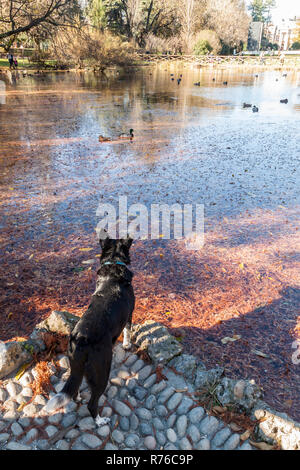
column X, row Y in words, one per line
column 192, row 145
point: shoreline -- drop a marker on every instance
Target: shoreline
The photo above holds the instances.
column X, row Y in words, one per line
column 216, row 62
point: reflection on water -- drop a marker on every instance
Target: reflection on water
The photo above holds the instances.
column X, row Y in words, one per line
column 191, row 139
column 192, row 145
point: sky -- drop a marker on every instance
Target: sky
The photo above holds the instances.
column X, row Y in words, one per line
column 286, row 9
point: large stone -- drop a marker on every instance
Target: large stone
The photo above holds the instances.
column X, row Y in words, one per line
column 154, row 338
column 243, row 394
column 59, row 322
column 275, row 427
column 207, row 378
column 185, row 364
column 13, row 354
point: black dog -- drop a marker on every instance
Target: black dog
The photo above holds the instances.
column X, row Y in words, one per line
column 109, row 313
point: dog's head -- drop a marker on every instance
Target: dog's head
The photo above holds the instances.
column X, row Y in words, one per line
column 115, row 250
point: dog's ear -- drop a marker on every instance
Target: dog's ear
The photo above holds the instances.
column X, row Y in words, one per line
column 103, row 238
column 127, row 242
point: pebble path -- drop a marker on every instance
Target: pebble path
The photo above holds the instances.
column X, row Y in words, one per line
column 145, row 414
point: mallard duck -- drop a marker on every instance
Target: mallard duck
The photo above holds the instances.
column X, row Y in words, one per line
column 127, row 136
column 284, row 101
column 225, row 83
column 255, row 109
column 178, row 80
column 197, row 83
column 104, row 139
column 284, row 74
column 247, row 105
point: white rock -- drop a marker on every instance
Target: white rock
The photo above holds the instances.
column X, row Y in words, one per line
column 103, row 431
column 232, row 442
column 16, row 429
column 150, row 442
column 3, row 394
column 117, row 436
column 91, row 440
column 185, row 444
column 30, row 410
column 64, row 362
column 51, row 430
column 209, row 425
column 221, row 437
column 62, row 445
column 31, row 435
column 27, row 392
column 17, row 446
column 144, row 373
column 13, row 389
column 204, row 444
column 181, row 425
column 26, row 379
column 137, row 366
column 171, row 435
column 86, row 424
column 121, row 408
column 196, row 414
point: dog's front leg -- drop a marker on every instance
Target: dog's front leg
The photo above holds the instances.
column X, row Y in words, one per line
column 126, row 337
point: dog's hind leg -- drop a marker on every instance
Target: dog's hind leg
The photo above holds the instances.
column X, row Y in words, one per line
column 127, row 334
column 97, row 373
column 71, row 387
column 73, row 383
column 126, row 337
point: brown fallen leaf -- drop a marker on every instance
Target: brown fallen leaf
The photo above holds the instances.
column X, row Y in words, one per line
column 259, row 353
column 227, row 339
column 235, row 427
column 262, row 445
column 245, row 435
column 219, row 409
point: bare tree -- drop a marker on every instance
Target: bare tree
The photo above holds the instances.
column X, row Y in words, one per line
column 229, row 19
column 21, row 16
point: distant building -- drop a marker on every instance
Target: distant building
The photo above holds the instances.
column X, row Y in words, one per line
column 284, row 33
column 255, row 35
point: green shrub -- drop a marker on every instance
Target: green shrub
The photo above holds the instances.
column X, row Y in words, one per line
column 202, row 47
column 296, row 46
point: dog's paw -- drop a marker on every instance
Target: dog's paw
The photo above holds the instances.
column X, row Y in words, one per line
column 78, row 399
column 126, row 346
column 101, row 421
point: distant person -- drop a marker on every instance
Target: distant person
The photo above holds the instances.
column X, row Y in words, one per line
column 15, row 63
column 281, row 58
column 10, row 60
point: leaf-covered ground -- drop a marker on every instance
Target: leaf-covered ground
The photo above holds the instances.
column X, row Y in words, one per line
column 236, row 301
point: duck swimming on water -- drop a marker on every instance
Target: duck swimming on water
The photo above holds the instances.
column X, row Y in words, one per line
column 255, row 109
column 104, row 139
column 127, row 136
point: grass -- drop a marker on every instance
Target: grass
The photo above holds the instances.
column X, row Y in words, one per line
column 26, row 64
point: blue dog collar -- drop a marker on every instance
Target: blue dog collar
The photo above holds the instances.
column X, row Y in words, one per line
column 116, row 262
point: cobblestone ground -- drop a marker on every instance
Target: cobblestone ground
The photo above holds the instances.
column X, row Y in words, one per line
column 144, row 413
